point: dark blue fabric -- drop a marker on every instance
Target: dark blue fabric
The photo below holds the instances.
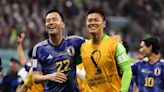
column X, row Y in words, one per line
column 148, row 77
column 59, row 58
column 10, row 82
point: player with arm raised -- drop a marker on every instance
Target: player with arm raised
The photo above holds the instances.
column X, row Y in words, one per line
column 103, row 58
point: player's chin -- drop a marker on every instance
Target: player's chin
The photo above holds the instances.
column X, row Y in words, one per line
column 93, row 31
column 144, row 55
column 52, row 31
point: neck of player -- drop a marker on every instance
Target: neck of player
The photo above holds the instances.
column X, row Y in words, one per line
column 55, row 39
column 96, row 38
column 153, row 58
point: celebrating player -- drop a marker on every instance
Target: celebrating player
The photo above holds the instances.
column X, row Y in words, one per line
column 149, row 74
column 55, row 59
column 26, row 72
column 104, row 58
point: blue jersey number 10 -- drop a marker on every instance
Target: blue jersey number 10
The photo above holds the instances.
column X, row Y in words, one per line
column 149, row 82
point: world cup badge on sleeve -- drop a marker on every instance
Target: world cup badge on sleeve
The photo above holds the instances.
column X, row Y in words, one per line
column 35, row 61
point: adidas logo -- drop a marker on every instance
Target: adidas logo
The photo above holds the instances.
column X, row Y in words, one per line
column 49, row 57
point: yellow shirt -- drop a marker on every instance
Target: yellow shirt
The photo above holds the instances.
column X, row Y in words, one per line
column 103, row 53
column 35, row 87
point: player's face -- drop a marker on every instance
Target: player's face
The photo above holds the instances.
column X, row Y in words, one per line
column 13, row 67
column 144, row 50
column 54, row 23
column 95, row 24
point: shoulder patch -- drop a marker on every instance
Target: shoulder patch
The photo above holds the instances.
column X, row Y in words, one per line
column 35, row 61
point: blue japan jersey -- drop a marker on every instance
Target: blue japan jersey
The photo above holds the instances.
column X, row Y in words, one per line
column 148, row 77
column 27, row 66
column 23, row 72
column 62, row 58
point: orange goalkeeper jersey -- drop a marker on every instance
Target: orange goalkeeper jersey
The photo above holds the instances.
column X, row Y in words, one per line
column 104, row 77
column 36, row 88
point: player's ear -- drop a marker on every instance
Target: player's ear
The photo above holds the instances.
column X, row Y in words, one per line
column 63, row 25
column 104, row 23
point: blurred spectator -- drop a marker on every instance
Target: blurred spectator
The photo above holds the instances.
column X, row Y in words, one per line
column 10, row 81
column 146, row 19
column 148, row 73
column 1, row 74
column 25, row 73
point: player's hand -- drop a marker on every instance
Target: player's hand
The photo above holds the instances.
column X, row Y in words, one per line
column 57, row 77
column 20, row 38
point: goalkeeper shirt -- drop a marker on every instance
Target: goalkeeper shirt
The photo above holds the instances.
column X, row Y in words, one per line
column 104, row 63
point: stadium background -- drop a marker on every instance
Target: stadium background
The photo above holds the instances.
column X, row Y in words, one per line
column 133, row 20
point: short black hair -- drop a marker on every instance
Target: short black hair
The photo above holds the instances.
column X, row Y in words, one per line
column 14, row 60
column 154, row 42
column 55, row 10
column 99, row 11
column 30, row 53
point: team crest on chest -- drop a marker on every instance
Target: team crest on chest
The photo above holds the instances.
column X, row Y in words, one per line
column 70, row 50
column 157, row 71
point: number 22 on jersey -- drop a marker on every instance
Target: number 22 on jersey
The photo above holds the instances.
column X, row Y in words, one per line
column 63, row 66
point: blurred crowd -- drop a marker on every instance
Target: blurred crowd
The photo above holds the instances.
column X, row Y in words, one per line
column 132, row 19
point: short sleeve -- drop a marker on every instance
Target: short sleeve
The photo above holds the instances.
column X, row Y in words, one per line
column 36, row 61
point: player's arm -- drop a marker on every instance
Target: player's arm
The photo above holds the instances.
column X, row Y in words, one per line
column 20, row 51
column 123, row 62
column 22, row 88
column 38, row 76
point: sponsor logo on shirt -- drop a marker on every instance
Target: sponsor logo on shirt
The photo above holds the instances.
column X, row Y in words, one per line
column 49, row 57
column 146, row 71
